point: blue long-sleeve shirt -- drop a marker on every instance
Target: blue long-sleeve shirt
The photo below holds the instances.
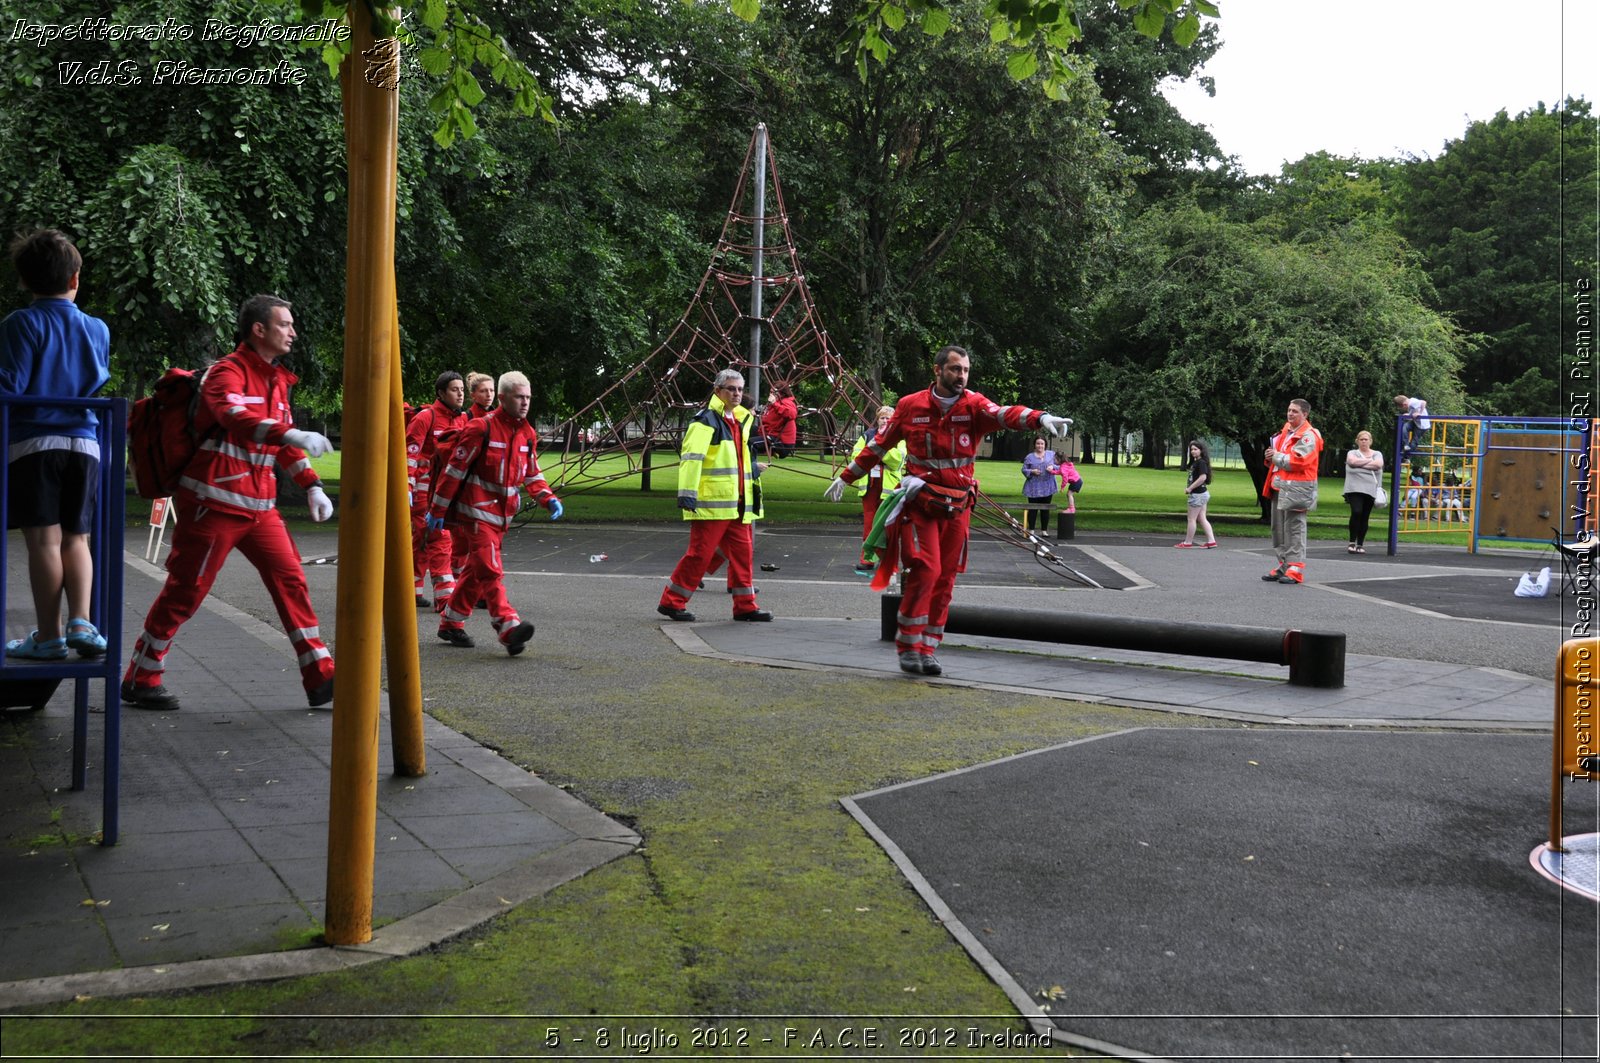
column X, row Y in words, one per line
column 51, row 349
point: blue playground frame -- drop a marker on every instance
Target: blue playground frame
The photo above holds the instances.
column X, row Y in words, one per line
column 1575, row 443
column 106, row 601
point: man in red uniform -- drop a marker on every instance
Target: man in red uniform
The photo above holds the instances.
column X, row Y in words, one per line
column 227, row 498
column 435, row 553
column 477, row 496
column 942, row 427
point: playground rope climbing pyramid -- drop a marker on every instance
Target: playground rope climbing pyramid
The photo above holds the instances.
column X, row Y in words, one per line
column 752, row 312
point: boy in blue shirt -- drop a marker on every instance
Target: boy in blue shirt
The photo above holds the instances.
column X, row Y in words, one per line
column 52, row 349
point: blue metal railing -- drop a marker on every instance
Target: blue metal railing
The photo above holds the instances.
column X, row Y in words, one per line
column 106, row 599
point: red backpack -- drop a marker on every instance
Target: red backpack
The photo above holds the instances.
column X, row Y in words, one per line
column 162, row 439
column 444, row 445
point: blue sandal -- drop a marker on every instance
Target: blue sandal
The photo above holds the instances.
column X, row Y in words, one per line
column 85, row 638
column 32, row 649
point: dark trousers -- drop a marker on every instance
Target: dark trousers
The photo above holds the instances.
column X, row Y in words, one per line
column 1360, row 516
column 1036, row 519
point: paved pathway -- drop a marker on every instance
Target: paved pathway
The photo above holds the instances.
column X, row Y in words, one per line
column 224, row 831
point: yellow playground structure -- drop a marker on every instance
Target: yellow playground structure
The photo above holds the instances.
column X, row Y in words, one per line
column 1500, row 479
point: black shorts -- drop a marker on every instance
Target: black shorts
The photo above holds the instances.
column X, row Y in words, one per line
column 53, row 487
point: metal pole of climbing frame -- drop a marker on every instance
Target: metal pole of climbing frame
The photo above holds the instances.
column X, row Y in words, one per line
column 752, row 393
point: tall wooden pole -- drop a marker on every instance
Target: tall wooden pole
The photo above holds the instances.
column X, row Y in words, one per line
column 399, row 610
column 371, row 123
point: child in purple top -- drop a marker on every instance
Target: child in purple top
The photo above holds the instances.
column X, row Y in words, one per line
column 1039, row 470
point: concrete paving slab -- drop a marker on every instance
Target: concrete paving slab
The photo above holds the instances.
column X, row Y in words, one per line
column 67, row 947
column 185, row 889
column 238, row 928
column 1382, row 690
column 224, row 828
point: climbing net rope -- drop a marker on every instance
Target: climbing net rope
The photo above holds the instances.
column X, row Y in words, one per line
column 635, row 426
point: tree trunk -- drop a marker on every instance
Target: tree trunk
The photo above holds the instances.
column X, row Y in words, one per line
column 1251, row 451
column 1152, row 457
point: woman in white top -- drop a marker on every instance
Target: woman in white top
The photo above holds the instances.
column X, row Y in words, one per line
column 1363, row 476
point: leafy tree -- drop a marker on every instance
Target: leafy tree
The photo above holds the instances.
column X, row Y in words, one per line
column 1129, row 69
column 1499, row 217
column 579, row 246
column 1321, row 194
column 184, row 198
column 1212, row 326
column 923, row 218
column 1040, row 34
column 461, row 37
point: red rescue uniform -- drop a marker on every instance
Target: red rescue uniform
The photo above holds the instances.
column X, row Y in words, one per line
column 941, row 448
column 435, row 554
column 227, row 498
column 478, row 495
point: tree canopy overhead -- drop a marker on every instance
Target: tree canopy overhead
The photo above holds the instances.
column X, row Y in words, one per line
column 941, row 188
column 1499, row 216
column 1214, row 325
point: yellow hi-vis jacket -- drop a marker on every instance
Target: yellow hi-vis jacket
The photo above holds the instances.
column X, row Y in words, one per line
column 715, row 470
column 893, row 464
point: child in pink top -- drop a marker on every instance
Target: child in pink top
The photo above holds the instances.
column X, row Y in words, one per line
column 1071, row 482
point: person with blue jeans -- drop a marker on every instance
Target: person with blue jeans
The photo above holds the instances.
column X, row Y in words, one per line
column 51, row 349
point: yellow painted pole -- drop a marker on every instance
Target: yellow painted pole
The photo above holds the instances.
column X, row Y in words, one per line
column 1557, row 756
column 399, row 611
column 371, row 124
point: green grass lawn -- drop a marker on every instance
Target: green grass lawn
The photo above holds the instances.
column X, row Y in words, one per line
column 1113, row 499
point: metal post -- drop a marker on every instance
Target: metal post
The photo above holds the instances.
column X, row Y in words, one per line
column 1314, row 658
column 109, row 601
column 753, row 394
column 888, row 616
column 649, row 446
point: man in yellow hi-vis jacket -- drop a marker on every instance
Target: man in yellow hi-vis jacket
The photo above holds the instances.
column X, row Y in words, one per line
column 719, row 497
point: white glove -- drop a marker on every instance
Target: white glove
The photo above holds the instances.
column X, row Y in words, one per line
column 315, row 444
column 911, row 485
column 1056, row 426
column 317, row 500
column 835, row 491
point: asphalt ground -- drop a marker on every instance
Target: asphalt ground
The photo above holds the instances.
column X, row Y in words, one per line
column 1385, row 605
column 1226, row 894
column 597, row 624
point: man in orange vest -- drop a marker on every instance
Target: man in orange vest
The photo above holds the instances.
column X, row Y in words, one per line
column 1291, row 484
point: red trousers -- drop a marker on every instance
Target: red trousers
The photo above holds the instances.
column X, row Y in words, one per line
column 933, row 550
column 483, row 579
column 201, row 543
column 707, row 538
column 869, row 506
column 436, row 554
